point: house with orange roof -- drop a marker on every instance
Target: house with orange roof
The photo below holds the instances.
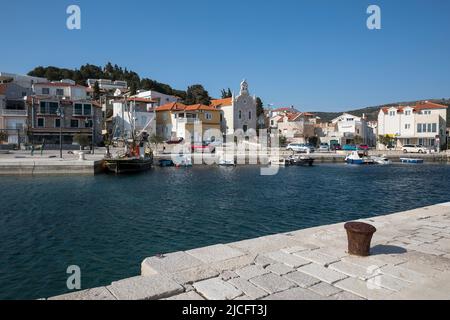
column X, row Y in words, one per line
column 424, row 123
column 194, row 123
column 293, row 125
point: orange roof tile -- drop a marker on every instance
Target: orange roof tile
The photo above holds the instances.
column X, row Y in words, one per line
column 222, row 102
column 174, row 106
column 419, row 106
column 200, row 107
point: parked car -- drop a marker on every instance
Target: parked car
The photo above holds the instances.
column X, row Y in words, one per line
column 363, row 147
column 336, row 146
column 324, row 147
column 414, row 148
column 175, row 141
column 349, row 147
column 300, row 147
column 202, row 147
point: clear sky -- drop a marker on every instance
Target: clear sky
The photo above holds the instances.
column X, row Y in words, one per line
column 317, row 55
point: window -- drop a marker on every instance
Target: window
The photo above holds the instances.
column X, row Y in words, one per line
column 407, row 112
column 74, row 123
column 392, row 113
column 45, row 91
column 78, row 109
column 407, row 126
column 434, row 128
column 429, row 127
column 24, row 93
column 41, row 122
column 59, row 92
column 240, row 114
column 426, row 112
column 53, row 107
column 42, row 107
column 208, row 116
column 87, row 109
column 419, row 127
column 57, row 123
column 424, row 127
column 88, row 124
column 249, row 115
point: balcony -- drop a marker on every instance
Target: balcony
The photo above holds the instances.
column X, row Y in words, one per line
column 12, row 112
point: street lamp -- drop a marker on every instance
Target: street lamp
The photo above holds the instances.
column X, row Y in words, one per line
column 86, row 121
column 60, row 114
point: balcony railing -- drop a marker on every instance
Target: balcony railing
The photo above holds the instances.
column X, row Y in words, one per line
column 11, row 112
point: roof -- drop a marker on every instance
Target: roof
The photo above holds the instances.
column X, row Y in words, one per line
column 59, row 84
column 293, row 116
column 424, row 105
column 174, row 106
column 200, row 107
column 3, row 87
column 285, row 109
column 222, row 102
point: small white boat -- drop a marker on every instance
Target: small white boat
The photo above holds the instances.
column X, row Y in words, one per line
column 411, row 160
column 183, row 161
column 356, row 158
column 226, row 163
column 383, row 160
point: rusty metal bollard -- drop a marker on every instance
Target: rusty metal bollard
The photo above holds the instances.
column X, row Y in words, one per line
column 359, row 236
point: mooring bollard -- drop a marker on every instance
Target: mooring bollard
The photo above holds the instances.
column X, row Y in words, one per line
column 81, row 156
column 359, row 236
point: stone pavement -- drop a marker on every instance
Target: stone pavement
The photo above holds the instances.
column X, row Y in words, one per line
column 410, row 259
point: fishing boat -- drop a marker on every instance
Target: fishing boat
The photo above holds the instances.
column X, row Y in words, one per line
column 383, row 160
column 137, row 155
column 357, row 157
column 411, row 160
column 183, row 160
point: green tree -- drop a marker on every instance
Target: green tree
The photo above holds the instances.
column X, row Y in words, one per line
column 3, row 136
column 133, row 89
column 226, row 93
column 82, row 140
column 282, row 140
column 197, row 94
column 385, row 140
column 259, row 107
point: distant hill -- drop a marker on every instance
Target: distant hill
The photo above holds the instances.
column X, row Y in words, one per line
column 372, row 112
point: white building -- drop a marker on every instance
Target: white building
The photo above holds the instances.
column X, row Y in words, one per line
column 68, row 90
column 159, row 98
column 424, row 123
column 349, row 127
column 20, row 80
column 238, row 113
column 105, row 84
column 137, row 111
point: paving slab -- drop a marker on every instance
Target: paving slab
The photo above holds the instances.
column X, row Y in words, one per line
column 100, row 293
column 353, row 270
column 169, row 263
column 324, row 289
column 322, row 273
column 279, row 269
column 389, row 282
column 192, row 275
column 217, row 289
column 187, row 296
column 272, row 283
column 317, row 257
column 145, row 288
column 286, row 258
column 248, row 288
column 215, row 253
column 251, row 271
column 302, row 279
column 363, row 289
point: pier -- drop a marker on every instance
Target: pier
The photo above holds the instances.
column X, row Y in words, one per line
column 410, row 259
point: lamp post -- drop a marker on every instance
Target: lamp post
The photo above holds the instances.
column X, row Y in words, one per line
column 60, row 114
column 86, row 121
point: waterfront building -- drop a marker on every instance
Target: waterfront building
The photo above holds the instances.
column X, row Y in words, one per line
column 283, row 110
column 176, row 120
column 295, row 126
column 107, row 85
column 20, row 80
column 80, row 114
column 238, row 112
column 133, row 112
column 158, row 98
column 352, row 129
column 424, row 123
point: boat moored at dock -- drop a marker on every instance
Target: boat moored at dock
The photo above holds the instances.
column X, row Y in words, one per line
column 411, row 160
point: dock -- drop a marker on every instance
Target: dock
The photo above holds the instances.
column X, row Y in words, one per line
column 410, row 259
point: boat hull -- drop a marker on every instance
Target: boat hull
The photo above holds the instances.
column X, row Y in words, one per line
column 120, row 166
column 408, row 160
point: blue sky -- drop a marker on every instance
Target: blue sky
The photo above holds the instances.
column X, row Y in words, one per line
column 317, row 55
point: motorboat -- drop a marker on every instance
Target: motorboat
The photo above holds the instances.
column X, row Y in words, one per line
column 300, row 161
column 226, row 163
column 411, row 160
column 383, row 160
column 357, row 157
column 183, row 160
column 166, row 163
